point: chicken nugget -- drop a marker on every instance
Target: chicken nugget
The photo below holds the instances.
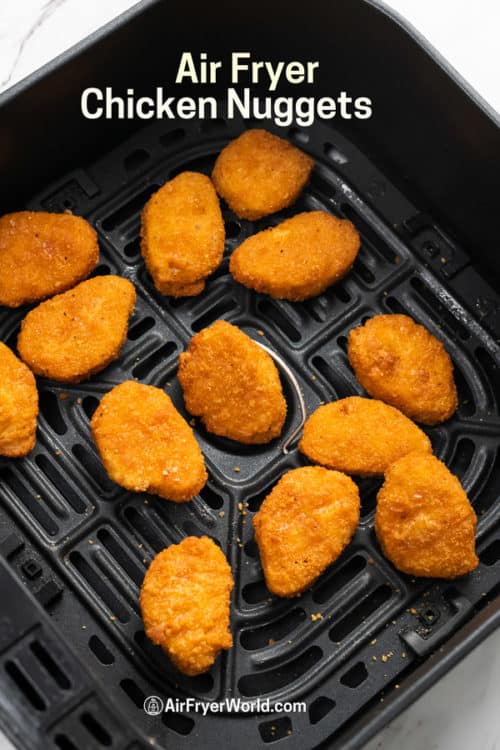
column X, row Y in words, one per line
column 185, row 603
column 18, row 405
column 182, row 234
column 78, row 333
column 259, row 173
column 42, row 254
column 303, row 525
column 299, row 258
column 146, row 445
column 424, row 521
column 360, row 436
column 233, row 385
column 398, row 361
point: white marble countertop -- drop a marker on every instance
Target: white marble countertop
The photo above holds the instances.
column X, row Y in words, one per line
column 461, row 711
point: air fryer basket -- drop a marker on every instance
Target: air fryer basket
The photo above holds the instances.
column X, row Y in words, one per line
column 75, row 664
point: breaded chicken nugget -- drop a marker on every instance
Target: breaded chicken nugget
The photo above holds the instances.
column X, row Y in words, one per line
column 185, row 603
column 182, row 234
column 232, row 384
column 303, row 525
column 401, row 363
column 360, row 436
column 18, row 405
column 146, row 445
column 424, row 521
column 259, row 173
column 299, row 258
column 42, row 254
column 78, row 333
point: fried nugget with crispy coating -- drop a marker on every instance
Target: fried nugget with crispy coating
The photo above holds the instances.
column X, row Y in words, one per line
column 232, row 384
column 303, row 525
column 182, row 234
column 398, row 361
column 298, row 258
column 185, row 603
column 259, row 173
column 42, row 254
column 424, row 521
column 18, row 405
column 360, row 436
column 78, row 333
column 146, row 445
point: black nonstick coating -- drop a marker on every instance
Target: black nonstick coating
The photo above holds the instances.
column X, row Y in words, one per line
column 83, row 666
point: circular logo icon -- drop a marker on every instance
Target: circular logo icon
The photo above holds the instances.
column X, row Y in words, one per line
column 153, row 705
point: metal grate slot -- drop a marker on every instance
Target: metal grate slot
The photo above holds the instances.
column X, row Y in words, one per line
column 101, row 651
column 338, row 579
column 52, row 667
column 355, row 676
column 96, row 582
column 129, row 210
column 96, row 730
column 359, row 614
column 267, row 635
column 274, row 730
column 26, row 687
column 66, row 491
column 320, row 708
column 49, row 408
column 274, row 679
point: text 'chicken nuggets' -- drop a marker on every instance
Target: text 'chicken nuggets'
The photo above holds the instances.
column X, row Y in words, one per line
column 146, row 445
column 424, row 521
column 298, row 258
column 360, row 436
column 42, row 254
column 182, row 234
column 398, row 361
column 303, row 525
column 232, row 384
column 18, row 405
column 80, row 332
column 185, row 603
column 259, row 173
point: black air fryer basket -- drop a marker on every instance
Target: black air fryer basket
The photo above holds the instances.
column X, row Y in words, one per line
column 421, row 181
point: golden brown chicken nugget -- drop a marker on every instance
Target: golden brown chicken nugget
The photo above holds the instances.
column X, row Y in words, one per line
column 259, row 173
column 398, row 361
column 232, row 384
column 42, row 254
column 146, row 445
column 360, row 436
column 18, row 405
column 78, row 333
column 303, row 525
column 185, row 603
column 424, row 521
column 299, row 258
column 182, row 234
